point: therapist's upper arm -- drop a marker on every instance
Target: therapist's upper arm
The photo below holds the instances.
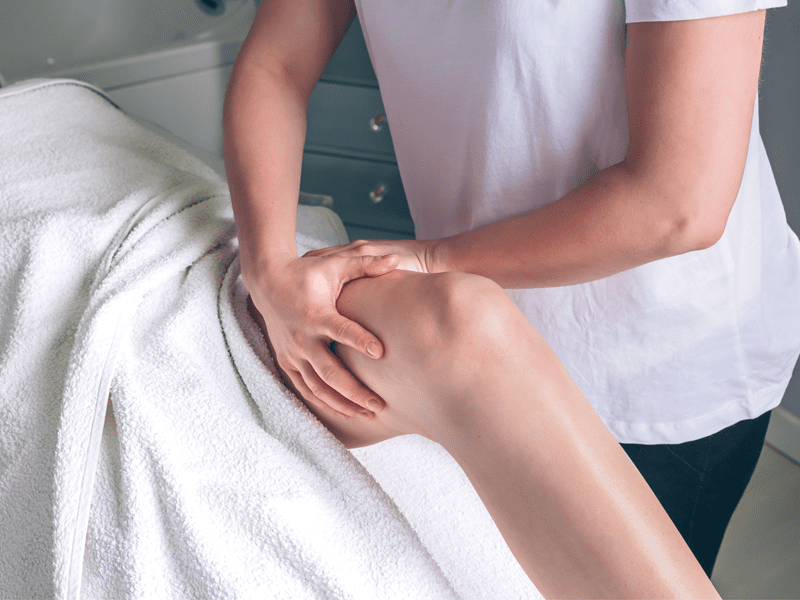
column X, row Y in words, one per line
column 297, row 37
column 691, row 88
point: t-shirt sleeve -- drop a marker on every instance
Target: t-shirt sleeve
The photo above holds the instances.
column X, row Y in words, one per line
column 682, row 10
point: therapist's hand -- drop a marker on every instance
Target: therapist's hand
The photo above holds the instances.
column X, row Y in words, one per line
column 413, row 255
column 296, row 298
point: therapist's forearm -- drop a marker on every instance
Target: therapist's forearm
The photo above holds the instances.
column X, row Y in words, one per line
column 264, row 133
column 613, row 222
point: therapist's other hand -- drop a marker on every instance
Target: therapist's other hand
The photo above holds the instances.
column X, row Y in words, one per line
column 296, row 298
column 413, row 255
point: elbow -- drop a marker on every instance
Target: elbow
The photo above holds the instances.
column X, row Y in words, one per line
column 697, row 221
column 708, row 233
column 686, row 211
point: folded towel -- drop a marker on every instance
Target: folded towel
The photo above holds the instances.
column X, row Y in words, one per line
column 147, row 447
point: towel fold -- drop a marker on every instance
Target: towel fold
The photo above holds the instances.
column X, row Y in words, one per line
column 147, row 448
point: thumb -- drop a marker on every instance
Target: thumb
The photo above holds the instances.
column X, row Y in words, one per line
column 356, row 267
column 379, row 265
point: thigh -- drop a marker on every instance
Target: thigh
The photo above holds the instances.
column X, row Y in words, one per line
column 392, row 307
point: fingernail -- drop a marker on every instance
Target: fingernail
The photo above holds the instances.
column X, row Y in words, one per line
column 373, row 350
column 373, row 404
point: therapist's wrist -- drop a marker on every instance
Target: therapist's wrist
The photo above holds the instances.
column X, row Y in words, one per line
column 461, row 253
column 260, row 265
column 439, row 256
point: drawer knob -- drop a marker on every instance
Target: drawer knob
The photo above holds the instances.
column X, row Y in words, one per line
column 379, row 193
column 376, row 123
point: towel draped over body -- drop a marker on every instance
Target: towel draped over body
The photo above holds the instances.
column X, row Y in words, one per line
column 147, row 447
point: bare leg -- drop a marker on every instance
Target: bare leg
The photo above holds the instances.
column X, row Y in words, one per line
column 464, row 368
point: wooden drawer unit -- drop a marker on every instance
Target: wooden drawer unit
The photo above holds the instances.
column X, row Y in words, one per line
column 348, row 152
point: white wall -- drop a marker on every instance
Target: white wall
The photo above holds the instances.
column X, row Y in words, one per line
column 780, row 125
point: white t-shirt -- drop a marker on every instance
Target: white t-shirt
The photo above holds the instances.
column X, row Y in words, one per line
column 499, row 107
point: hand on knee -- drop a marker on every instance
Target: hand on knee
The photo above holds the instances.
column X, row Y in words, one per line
column 446, row 336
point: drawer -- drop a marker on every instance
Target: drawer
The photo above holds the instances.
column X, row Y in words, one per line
column 356, row 187
column 348, row 117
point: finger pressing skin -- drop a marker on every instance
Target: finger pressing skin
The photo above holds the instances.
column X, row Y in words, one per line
column 299, row 387
column 327, row 395
column 338, row 383
column 344, row 331
column 293, row 379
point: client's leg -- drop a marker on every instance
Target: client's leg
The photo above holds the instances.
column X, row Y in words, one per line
column 464, row 368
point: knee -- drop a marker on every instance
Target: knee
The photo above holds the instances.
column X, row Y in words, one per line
column 447, row 324
column 445, row 336
column 467, row 318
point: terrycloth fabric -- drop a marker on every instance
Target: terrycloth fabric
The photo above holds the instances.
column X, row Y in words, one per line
column 147, row 449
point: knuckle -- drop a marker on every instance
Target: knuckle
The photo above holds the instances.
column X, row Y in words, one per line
column 329, row 374
column 344, row 329
column 316, row 391
column 358, row 397
column 284, row 360
column 298, row 338
column 311, row 315
column 338, row 378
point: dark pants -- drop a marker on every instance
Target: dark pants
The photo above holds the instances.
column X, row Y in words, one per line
column 699, row 483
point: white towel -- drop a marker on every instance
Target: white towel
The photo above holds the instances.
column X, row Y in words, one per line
column 206, row 478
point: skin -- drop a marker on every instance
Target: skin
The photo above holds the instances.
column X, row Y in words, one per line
column 264, row 129
column 476, row 377
column 691, row 89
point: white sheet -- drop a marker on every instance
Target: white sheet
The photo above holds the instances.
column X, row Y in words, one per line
column 207, row 478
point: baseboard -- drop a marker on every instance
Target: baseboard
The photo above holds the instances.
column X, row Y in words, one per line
column 784, row 433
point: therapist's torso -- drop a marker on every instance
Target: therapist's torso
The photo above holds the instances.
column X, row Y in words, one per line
column 499, row 107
